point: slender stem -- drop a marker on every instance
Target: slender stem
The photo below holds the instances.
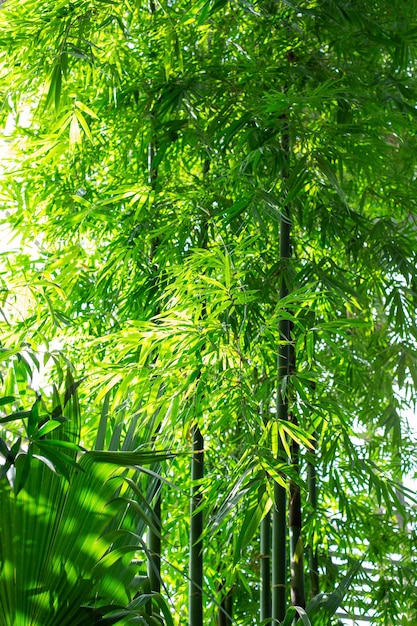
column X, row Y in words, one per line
column 295, row 513
column 266, row 567
column 313, row 555
column 196, row 531
column 195, row 600
column 296, row 545
column 154, row 546
column 279, row 518
column 154, row 534
column 147, row 590
column 224, row 615
column 265, row 545
column 279, row 559
column 228, row 603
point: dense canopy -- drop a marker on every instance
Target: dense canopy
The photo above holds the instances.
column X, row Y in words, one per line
column 210, row 240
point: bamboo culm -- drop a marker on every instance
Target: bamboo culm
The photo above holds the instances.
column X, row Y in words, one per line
column 279, row 518
column 312, row 551
column 265, row 567
column 196, row 531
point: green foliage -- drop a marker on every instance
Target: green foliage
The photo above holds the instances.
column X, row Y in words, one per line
column 145, row 181
column 70, row 532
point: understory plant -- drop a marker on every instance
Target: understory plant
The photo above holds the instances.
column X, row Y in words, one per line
column 72, row 521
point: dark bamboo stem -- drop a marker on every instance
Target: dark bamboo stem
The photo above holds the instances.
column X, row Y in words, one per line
column 154, row 533
column 154, row 546
column 195, row 600
column 265, row 566
column 196, row 531
column 296, row 544
column 279, row 519
column 224, row 615
column 279, row 549
column 295, row 513
column 265, row 545
column 312, row 552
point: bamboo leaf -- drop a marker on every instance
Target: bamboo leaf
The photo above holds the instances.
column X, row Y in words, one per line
column 23, row 465
column 48, row 427
column 74, row 131
column 82, row 121
column 85, row 109
column 251, row 522
column 33, row 418
column 7, row 400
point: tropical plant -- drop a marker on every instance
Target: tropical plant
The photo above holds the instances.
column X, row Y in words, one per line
column 222, row 201
column 72, row 521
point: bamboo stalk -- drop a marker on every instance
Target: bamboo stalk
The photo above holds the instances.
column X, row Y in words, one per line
column 312, row 552
column 265, row 566
column 224, row 615
column 265, row 546
column 279, row 549
column 154, row 546
column 296, row 543
column 279, row 518
column 196, row 564
column 154, row 534
column 295, row 514
column 196, row 531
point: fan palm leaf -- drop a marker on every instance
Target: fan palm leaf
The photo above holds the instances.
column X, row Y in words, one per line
column 68, row 542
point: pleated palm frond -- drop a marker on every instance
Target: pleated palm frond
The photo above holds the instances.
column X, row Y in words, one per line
column 71, row 542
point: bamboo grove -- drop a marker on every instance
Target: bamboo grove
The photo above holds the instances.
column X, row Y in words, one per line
column 208, row 333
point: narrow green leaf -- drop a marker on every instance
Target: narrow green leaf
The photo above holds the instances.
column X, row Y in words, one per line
column 58, row 443
column 49, row 426
column 33, row 418
column 251, row 522
column 14, row 416
column 4, row 450
column 85, row 109
column 7, row 400
column 22, row 463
